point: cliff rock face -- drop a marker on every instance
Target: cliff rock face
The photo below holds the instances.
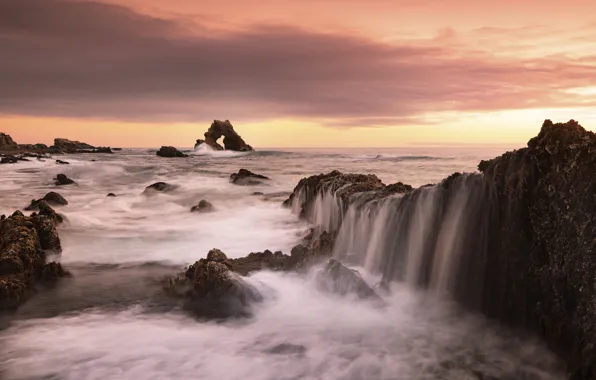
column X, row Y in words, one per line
column 542, row 256
column 23, row 241
column 231, row 141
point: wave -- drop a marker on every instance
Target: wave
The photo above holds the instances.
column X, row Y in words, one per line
column 392, row 157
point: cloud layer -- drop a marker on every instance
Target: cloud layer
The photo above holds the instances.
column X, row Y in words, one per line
column 91, row 59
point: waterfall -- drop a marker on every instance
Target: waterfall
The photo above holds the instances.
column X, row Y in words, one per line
column 434, row 237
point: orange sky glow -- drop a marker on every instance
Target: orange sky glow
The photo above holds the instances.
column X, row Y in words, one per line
column 330, row 73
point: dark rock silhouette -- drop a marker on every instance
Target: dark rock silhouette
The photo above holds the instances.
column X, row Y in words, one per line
column 62, row 180
column 231, row 141
column 170, row 151
column 60, row 162
column 160, row 187
column 7, row 143
column 52, row 198
column 69, row 146
column 211, row 290
column 247, row 178
column 22, row 256
column 111, row 195
column 101, row 149
column 203, row 207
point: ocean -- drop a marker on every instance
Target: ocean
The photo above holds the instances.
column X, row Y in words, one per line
column 111, row 322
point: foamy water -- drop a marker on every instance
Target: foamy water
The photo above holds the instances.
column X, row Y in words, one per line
column 111, row 322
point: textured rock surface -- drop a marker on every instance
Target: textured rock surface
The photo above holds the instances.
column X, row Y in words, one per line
column 52, row 198
column 6, row 142
column 211, row 290
column 170, row 151
column 247, row 178
column 22, row 257
column 338, row 279
column 231, row 141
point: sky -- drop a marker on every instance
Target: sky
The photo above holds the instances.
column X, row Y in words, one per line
column 145, row 73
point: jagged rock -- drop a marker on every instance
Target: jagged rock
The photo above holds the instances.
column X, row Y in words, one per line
column 247, row 178
column 203, row 206
column 256, row 261
column 111, row 195
column 232, row 141
column 52, row 198
column 62, row 180
column 60, row 162
column 22, row 256
column 69, row 146
column 7, row 143
column 338, row 279
column 160, row 187
column 170, row 151
column 211, row 290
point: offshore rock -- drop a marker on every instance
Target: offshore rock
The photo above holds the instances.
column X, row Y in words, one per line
column 61, row 162
column 211, row 290
column 162, row 187
column 22, row 257
column 232, row 140
column 338, row 279
column 170, row 151
column 203, row 207
column 63, row 180
column 52, row 198
column 111, row 195
column 247, row 178
column 7, row 143
column 69, row 146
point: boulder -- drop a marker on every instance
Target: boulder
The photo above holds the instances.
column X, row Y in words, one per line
column 203, row 206
column 211, row 290
column 60, row 162
column 52, row 198
column 170, row 151
column 247, row 178
column 232, row 140
column 10, row 159
column 338, row 279
column 160, row 187
column 62, row 180
column 111, row 195
column 22, row 255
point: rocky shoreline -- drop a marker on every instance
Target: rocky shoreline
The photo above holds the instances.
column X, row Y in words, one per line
column 536, row 270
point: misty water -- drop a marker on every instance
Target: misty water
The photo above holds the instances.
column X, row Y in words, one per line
column 111, row 321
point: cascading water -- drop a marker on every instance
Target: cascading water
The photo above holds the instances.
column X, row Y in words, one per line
column 433, row 237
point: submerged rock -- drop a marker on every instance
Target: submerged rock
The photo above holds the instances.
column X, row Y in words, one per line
column 10, row 159
column 22, row 256
column 160, row 187
column 203, row 206
column 62, row 180
column 60, row 162
column 247, row 178
column 170, row 151
column 339, row 279
column 211, row 290
column 111, row 195
column 52, row 198
column 232, row 140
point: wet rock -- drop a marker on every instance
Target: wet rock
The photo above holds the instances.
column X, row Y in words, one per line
column 22, row 256
column 211, row 290
column 160, row 187
column 63, row 180
column 9, row 159
column 111, row 195
column 232, row 140
column 170, row 151
column 69, row 146
column 339, row 279
column 247, row 178
column 53, row 271
column 267, row 260
column 60, row 162
column 203, row 206
column 52, row 198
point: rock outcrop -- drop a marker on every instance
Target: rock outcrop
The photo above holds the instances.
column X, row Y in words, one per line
column 231, row 141
column 203, row 207
column 69, row 146
column 22, row 257
column 211, row 290
column 63, row 180
column 247, row 178
column 338, row 279
column 52, row 198
column 7, row 143
column 161, row 187
column 170, row 151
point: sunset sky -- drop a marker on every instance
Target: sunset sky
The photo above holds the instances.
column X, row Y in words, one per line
column 144, row 73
